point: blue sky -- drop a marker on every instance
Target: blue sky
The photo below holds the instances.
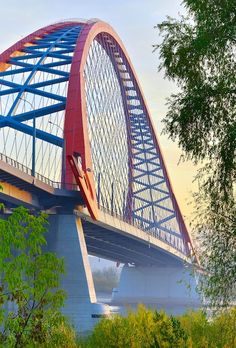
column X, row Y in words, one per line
column 134, row 21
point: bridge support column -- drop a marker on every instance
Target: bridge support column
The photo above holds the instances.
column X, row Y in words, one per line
column 170, row 288
column 66, row 239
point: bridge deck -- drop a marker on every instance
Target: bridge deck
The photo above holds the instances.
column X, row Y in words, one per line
column 21, row 188
column 111, row 238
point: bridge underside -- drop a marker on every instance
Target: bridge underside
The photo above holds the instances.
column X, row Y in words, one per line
column 108, row 238
column 116, row 246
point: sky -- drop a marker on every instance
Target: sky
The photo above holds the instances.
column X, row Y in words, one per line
column 134, row 21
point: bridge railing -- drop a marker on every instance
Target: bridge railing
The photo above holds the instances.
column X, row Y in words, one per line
column 15, row 164
column 74, row 187
column 40, row 177
column 155, row 234
column 113, row 198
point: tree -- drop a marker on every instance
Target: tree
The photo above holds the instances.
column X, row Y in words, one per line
column 105, row 280
column 198, row 53
column 29, row 280
column 216, row 227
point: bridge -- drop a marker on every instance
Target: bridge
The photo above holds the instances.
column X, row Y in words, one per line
column 77, row 140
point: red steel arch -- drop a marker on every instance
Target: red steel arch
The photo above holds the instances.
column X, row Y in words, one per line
column 76, row 126
column 5, row 56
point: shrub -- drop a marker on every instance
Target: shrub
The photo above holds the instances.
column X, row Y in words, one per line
column 145, row 328
column 217, row 332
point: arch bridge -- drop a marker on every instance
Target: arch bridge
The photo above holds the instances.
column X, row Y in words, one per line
column 77, row 140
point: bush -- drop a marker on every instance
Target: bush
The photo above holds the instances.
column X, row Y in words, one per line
column 61, row 335
column 218, row 332
column 151, row 329
column 145, row 328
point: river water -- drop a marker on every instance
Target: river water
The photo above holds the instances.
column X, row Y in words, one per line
column 106, row 298
column 122, row 309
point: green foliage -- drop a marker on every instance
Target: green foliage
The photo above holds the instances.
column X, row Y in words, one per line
column 146, row 328
column 216, row 230
column 105, row 280
column 219, row 332
column 59, row 335
column 29, row 281
column 198, row 53
column 1, row 204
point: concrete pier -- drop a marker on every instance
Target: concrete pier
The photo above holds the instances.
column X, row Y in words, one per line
column 170, row 288
column 66, row 238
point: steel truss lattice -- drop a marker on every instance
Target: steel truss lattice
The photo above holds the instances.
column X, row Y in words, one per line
column 33, row 94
